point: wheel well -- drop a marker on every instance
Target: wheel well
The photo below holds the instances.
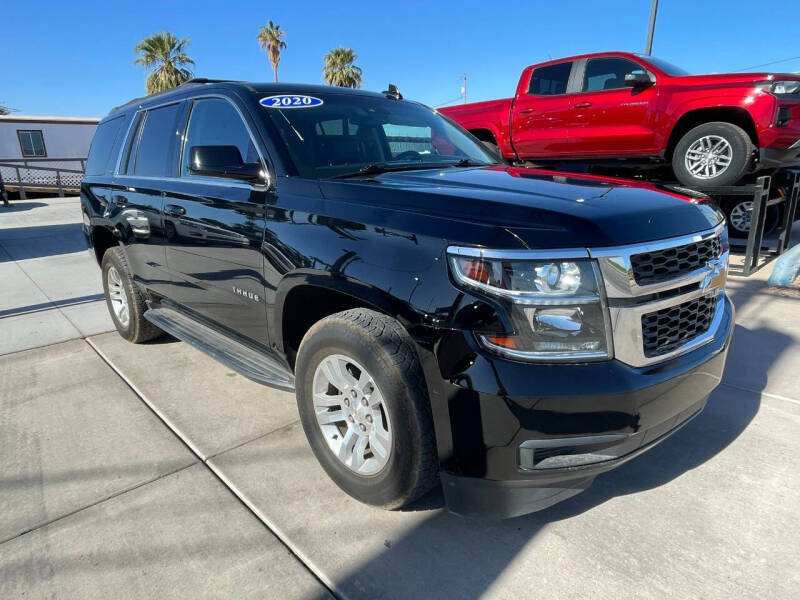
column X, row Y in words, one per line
column 484, row 135
column 307, row 304
column 736, row 116
column 102, row 240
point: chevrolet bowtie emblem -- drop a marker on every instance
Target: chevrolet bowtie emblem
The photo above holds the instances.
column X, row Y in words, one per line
column 715, row 280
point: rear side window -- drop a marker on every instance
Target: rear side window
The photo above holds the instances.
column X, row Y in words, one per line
column 215, row 122
column 551, row 80
column 102, row 147
column 608, row 73
column 156, row 144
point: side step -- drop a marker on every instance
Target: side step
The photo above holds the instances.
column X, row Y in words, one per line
column 243, row 359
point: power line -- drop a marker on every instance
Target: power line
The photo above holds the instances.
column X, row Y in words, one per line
column 774, row 62
column 449, row 101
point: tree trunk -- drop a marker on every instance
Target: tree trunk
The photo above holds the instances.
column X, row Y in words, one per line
column 275, row 70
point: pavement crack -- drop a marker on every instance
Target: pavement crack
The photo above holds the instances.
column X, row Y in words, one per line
column 95, row 503
column 761, row 392
column 258, row 437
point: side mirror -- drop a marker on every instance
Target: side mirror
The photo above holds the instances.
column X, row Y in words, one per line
column 222, row 161
column 638, row 79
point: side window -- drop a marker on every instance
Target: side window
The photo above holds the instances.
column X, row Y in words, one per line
column 551, row 80
column 129, row 155
column 156, row 143
column 31, row 143
column 215, row 122
column 102, row 146
column 608, row 73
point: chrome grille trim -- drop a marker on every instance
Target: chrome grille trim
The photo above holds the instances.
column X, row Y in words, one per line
column 620, row 284
column 615, row 265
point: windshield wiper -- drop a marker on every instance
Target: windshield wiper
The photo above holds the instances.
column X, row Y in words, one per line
column 468, row 162
column 378, row 168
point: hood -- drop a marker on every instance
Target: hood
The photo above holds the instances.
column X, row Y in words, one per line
column 541, row 209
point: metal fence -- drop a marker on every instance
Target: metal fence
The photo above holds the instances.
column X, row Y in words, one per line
column 41, row 174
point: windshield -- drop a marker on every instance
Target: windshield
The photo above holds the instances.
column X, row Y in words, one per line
column 349, row 132
column 665, row 66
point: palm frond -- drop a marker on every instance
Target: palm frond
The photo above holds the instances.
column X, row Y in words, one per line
column 166, row 55
column 338, row 68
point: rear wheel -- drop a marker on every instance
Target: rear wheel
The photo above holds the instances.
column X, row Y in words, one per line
column 739, row 214
column 711, row 155
column 125, row 301
column 364, row 407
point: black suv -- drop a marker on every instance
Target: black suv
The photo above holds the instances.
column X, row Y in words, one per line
column 514, row 332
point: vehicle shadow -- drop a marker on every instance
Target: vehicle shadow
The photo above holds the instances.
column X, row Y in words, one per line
column 450, row 556
column 19, row 206
column 38, row 241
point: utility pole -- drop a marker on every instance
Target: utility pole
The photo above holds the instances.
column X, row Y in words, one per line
column 464, row 87
column 652, row 28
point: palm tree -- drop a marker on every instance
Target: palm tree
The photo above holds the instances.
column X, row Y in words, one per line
column 339, row 69
column 5, row 110
column 269, row 38
column 166, row 54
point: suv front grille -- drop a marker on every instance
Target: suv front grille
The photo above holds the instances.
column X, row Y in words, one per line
column 666, row 329
column 663, row 265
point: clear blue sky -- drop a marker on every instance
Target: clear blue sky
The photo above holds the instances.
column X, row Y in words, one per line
column 62, row 58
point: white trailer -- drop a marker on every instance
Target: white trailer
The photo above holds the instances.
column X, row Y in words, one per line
column 40, row 153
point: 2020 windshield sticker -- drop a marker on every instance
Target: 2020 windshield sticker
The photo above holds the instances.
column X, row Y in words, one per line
column 290, row 101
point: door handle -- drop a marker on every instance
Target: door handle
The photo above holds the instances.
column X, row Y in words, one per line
column 583, row 105
column 526, row 111
column 173, row 210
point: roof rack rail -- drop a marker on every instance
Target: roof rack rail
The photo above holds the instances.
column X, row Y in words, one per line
column 206, row 80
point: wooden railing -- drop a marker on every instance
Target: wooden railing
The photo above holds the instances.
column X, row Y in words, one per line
column 40, row 174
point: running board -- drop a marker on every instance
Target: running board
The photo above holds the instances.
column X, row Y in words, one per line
column 243, row 359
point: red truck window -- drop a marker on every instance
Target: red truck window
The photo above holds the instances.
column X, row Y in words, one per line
column 551, row 80
column 607, row 73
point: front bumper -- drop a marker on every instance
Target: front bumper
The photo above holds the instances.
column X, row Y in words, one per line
column 518, row 437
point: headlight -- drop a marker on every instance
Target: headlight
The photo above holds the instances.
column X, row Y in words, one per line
column 781, row 87
column 785, row 87
column 556, row 306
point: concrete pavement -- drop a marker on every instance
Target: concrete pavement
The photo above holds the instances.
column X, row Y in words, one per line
column 153, row 471
column 51, row 288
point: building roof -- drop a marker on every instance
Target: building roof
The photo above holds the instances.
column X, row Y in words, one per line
column 48, row 119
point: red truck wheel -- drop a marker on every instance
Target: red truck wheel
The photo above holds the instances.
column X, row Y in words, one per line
column 712, row 155
column 738, row 212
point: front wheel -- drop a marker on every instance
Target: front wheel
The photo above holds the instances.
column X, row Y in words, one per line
column 712, row 155
column 364, row 407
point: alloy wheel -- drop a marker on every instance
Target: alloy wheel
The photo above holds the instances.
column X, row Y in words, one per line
column 118, row 297
column 741, row 214
column 352, row 415
column 708, row 157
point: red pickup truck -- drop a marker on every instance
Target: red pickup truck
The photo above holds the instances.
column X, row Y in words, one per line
column 712, row 129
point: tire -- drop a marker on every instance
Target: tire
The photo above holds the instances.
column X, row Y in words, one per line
column 119, row 289
column 737, row 213
column 374, row 348
column 733, row 143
